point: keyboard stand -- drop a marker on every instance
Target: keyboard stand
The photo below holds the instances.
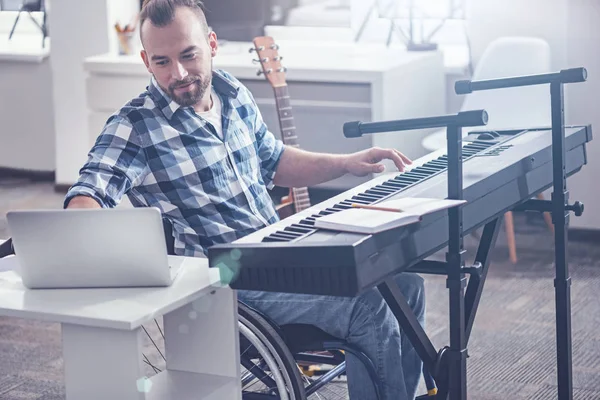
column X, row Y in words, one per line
column 442, row 363
column 448, row 366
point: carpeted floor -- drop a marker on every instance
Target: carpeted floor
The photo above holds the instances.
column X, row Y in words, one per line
column 512, row 349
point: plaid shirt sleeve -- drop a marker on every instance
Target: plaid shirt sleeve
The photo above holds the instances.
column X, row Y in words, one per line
column 269, row 148
column 115, row 164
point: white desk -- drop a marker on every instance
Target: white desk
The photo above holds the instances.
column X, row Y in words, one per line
column 102, row 335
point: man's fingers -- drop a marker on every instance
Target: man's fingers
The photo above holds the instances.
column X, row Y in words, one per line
column 404, row 158
column 396, row 158
column 378, row 168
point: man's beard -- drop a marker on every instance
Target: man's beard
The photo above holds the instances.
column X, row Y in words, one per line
column 192, row 96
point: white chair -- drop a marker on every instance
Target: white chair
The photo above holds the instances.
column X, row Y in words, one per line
column 520, row 107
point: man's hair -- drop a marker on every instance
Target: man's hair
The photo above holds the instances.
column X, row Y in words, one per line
column 161, row 12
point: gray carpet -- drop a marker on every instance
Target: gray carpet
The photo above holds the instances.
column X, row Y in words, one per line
column 512, row 349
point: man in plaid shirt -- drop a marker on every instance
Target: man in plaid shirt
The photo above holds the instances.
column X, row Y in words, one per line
column 195, row 146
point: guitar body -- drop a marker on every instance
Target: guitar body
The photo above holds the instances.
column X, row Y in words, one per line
column 286, row 207
column 298, row 198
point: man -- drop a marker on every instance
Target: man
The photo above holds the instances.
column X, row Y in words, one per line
column 195, row 146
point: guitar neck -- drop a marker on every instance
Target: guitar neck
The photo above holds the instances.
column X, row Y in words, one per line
column 286, row 119
column 289, row 138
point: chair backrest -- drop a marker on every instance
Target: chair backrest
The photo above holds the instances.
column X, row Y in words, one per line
column 521, row 107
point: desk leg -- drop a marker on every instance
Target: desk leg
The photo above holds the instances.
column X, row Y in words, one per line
column 102, row 363
column 202, row 338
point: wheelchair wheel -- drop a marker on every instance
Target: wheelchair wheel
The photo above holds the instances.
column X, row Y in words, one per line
column 270, row 371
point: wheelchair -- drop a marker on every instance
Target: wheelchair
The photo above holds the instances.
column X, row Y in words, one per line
column 278, row 362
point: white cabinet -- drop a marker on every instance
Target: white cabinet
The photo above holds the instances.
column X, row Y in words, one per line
column 329, row 85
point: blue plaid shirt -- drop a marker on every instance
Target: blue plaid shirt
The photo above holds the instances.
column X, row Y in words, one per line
column 163, row 155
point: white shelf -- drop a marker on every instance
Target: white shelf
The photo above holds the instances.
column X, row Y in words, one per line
column 24, row 48
column 177, row 385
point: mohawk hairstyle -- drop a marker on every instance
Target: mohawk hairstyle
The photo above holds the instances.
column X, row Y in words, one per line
column 161, row 12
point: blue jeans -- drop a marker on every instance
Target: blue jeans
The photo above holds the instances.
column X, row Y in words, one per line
column 364, row 321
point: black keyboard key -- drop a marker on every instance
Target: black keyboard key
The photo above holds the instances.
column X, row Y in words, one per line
column 393, row 184
column 297, row 229
column 292, row 235
column 380, row 191
column 274, row 239
column 355, row 199
column 369, row 197
column 304, row 226
column 415, row 174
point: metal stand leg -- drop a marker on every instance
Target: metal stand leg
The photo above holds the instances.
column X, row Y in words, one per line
column 560, row 217
column 477, row 280
column 456, row 282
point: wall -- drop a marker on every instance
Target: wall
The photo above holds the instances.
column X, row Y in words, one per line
column 572, row 30
column 490, row 19
column 582, row 50
column 76, row 36
column 27, row 115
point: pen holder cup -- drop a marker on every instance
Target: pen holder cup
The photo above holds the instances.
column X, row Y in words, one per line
column 125, row 43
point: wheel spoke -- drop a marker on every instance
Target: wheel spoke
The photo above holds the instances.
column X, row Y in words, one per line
column 154, row 343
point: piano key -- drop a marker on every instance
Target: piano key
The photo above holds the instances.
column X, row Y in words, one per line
column 295, row 228
column 380, row 190
column 414, row 173
column 369, row 197
column 394, row 185
column 283, row 236
column 403, row 181
column 426, row 170
column 406, row 179
column 417, row 174
column 290, row 235
column 437, row 164
column 355, row 199
column 336, row 209
column 303, row 225
column 274, row 239
column 325, row 212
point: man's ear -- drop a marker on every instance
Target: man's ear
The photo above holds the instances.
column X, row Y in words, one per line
column 144, row 56
column 213, row 43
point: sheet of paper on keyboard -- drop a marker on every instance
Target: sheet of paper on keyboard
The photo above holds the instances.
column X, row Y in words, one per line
column 370, row 221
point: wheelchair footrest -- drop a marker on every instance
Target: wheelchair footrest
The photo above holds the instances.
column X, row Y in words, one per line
column 431, row 395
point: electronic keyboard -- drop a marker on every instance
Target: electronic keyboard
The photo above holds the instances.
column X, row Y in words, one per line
column 501, row 169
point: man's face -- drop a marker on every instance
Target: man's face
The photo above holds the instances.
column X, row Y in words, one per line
column 179, row 56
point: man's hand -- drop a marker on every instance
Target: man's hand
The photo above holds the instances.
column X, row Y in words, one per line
column 368, row 161
column 299, row 168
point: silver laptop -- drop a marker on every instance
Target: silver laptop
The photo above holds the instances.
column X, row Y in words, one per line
column 85, row 248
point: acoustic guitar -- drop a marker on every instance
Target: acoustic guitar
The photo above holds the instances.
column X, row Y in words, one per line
column 297, row 199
